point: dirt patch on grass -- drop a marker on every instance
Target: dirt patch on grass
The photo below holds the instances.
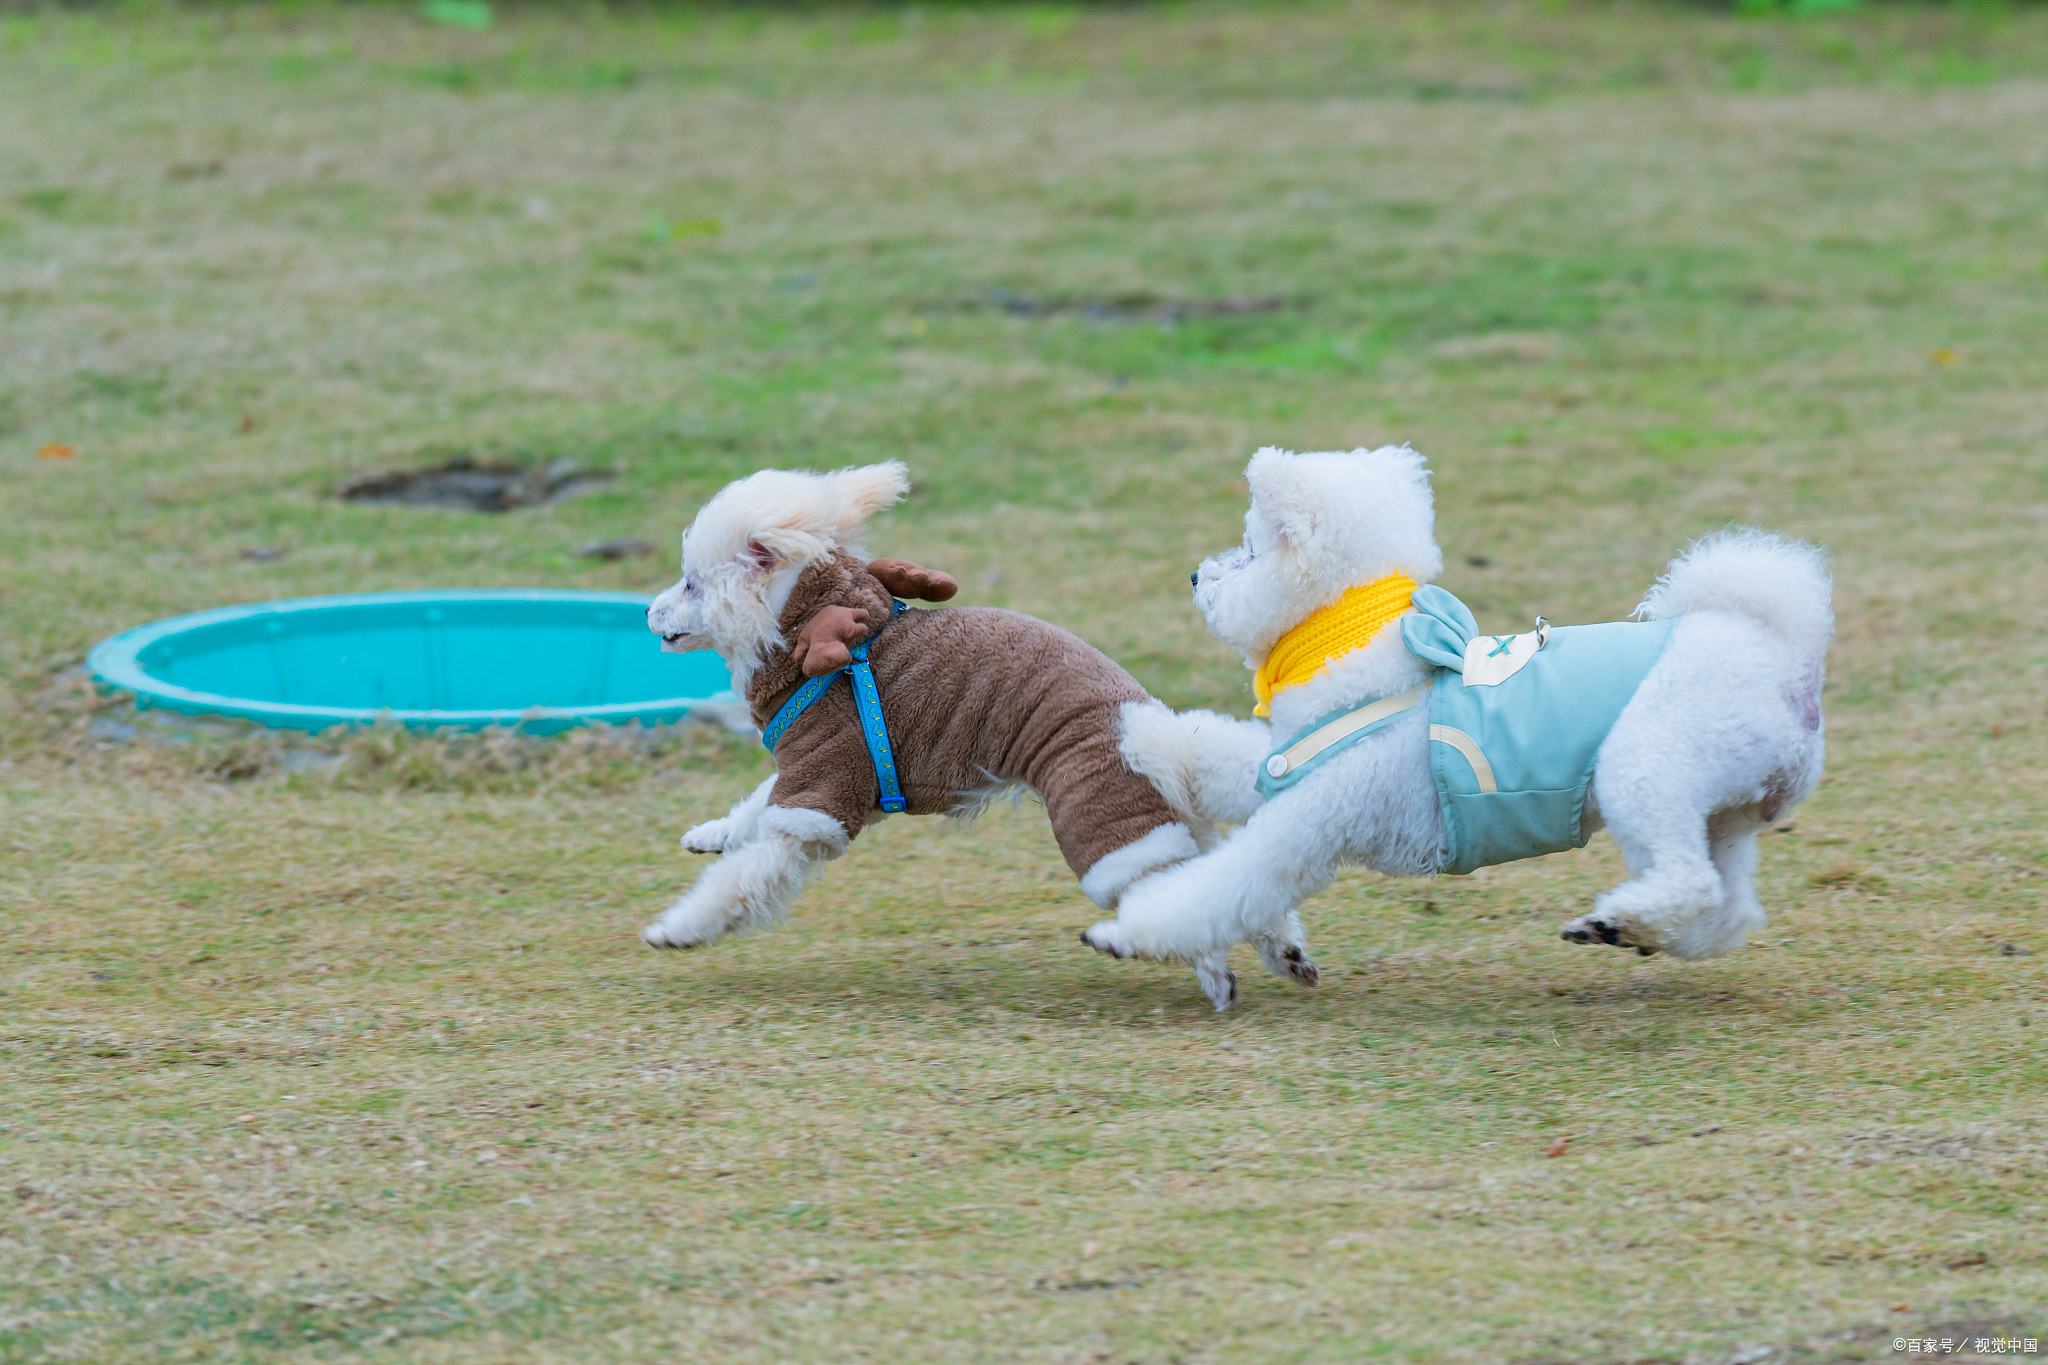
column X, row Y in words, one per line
column 465, row 484
column 1138, row 307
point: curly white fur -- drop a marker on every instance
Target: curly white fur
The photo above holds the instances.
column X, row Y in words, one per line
column 1203, row 763
column 1319, row 524
column 1724, row 736
column 748, row 546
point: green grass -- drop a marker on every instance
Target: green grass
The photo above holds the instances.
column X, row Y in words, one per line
column 367, row 1063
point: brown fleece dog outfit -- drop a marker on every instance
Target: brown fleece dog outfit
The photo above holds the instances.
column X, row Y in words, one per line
column 972, row 696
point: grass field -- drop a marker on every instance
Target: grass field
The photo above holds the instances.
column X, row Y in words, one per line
column 307, row 1063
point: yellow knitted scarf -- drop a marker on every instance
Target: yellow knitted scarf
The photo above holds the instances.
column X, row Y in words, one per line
column 1346, row 624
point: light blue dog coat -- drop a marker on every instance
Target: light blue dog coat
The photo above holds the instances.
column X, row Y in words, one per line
column 1515, row 723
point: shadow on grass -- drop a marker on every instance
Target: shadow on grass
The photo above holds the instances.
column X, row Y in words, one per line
column 1450, row 1000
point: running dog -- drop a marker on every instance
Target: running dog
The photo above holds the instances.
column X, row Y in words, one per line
column 1407, row 741
column 941, row 711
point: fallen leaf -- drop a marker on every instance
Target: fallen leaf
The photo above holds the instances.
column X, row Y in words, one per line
column 55, row 450
column 1942, row 355
column 1088, row 1249
column 1558, row 1148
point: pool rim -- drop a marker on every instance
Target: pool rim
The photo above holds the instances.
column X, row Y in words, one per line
column 115, row 665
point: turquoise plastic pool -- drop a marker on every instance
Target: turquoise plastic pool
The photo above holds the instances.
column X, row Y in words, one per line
column 542, row 660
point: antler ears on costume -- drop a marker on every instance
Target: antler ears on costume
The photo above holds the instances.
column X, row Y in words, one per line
column 913, row 581
column 823, row 644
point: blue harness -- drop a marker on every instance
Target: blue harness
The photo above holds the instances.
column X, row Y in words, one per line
column 867, row 699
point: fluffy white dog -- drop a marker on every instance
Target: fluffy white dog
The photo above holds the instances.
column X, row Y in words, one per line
column 1721, row 737
column 972, row 703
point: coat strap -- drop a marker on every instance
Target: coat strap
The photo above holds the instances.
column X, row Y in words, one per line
column 1328, row 736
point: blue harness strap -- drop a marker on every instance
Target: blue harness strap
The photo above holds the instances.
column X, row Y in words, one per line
column 867, row 700
column 799, row 702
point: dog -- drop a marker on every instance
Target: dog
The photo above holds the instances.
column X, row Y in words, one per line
column 1712, row 728
column 973, row 704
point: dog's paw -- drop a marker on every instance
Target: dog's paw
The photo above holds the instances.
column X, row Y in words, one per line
column 1109, row 937
column 660, row 935
column 708, row 837
column 1290, row 960
column 684, row 926
column 1599, row 928
column 1218, row 982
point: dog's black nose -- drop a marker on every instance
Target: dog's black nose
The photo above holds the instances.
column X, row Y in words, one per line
column 1195, row 579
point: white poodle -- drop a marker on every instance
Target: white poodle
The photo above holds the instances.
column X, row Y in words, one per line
column 1720, row 737
column 973, row 703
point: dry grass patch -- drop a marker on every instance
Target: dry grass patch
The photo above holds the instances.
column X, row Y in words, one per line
column 343, row 1048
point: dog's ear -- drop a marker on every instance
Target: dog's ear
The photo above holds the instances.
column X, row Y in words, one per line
column 777, row 547
column 823, row 644
column 1283, row 499
column 914, row 582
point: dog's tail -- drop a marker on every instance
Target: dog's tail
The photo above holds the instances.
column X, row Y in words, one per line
column 1203, row 764
column 1772, row 579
